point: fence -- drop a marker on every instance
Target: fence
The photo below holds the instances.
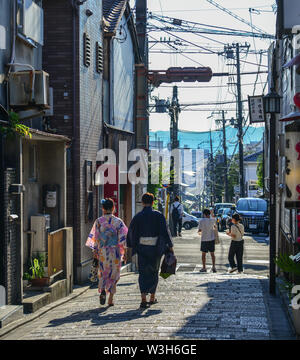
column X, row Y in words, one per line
column 55, row 252
column 60, row 254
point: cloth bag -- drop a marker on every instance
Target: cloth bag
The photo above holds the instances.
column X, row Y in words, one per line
column 93, row 276
column 216, row 232
column 168, row 266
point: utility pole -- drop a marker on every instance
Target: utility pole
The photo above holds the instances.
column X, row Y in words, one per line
column 174, row 110
column 174, row 114
column 228, row 50
column 240, row 122
column 212, row 173
column 223, row 120
column 225, row 157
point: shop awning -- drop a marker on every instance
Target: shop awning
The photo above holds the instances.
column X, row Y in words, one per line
column 295, row 115
column 45, row 136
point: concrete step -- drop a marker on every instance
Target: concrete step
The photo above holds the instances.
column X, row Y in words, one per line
column 36, row 298
column 35, row 302
column 10, row 313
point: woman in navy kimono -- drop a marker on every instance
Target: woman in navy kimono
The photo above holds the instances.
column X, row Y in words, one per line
column 149, row 237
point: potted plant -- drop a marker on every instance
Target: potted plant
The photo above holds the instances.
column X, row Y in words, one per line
column 26, row 279
column 37, row 268
column 289, row 266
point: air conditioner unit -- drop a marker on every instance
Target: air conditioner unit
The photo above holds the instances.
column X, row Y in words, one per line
column 20, row 89
column 40, row 225
column 30, row 20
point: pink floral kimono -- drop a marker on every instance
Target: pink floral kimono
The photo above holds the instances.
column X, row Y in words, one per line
column 107, row 239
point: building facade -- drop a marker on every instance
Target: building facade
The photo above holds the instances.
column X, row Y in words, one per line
column 284, row 78
column 33, row 167
column 91, row 51
column 250, row 174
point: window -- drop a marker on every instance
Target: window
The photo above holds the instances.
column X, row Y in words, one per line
column 99, row 58
column 86, row 50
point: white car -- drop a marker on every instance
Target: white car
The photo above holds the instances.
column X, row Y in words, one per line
column 189, row 221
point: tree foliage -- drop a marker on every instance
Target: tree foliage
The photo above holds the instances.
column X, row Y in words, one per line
column 259, row 172
column 15, row 127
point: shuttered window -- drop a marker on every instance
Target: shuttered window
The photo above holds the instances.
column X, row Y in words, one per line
column 99, row 58
column 86, row 50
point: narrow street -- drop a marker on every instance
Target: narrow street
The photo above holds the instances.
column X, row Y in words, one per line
column 256, row 253
column 191, row 305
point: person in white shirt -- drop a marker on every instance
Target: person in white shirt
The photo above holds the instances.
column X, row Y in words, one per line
column 206, row 228
column 177, row 214
column 236, row 249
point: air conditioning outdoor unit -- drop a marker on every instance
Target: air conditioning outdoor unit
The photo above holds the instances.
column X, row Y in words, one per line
column 23, row 94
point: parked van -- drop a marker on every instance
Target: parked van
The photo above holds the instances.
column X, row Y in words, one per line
column 254, row 213
column 218, row 206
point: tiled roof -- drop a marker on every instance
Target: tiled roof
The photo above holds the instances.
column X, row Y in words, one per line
column 113, row 11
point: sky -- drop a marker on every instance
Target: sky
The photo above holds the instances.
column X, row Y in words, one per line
column 201, row 11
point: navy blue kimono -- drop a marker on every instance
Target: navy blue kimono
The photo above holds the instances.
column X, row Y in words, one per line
column 149, row 237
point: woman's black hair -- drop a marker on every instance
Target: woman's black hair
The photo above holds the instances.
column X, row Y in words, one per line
column 107, row 204
column 206, row 212
column 236, row 217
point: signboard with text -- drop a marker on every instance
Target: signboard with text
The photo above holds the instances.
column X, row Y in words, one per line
column 256, row 109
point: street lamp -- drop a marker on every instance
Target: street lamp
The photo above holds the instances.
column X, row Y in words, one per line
column 272, row 103
column 272, row 107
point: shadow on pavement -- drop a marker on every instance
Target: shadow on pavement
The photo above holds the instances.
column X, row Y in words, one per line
column 127, row 284
column 96, row 317
column 235, row 309
column 256, row 267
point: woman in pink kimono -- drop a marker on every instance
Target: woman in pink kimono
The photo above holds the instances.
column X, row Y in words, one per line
column 107, row 239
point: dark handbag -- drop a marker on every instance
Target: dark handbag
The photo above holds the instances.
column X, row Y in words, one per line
column 168, row 266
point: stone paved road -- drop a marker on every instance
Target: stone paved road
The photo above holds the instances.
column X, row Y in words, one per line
column 191, row 306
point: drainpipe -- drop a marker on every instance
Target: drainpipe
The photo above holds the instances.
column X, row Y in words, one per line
column 2, row 211
column 74, row 141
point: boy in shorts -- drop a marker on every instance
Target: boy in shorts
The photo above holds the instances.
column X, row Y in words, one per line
column 206, row 228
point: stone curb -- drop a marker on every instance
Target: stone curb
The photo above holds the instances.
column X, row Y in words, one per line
column 76, row 292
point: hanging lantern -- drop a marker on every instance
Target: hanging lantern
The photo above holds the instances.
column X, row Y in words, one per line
column 292, row 178
column 272, row 103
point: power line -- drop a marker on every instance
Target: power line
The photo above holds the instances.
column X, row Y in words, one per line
column 204, row 48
